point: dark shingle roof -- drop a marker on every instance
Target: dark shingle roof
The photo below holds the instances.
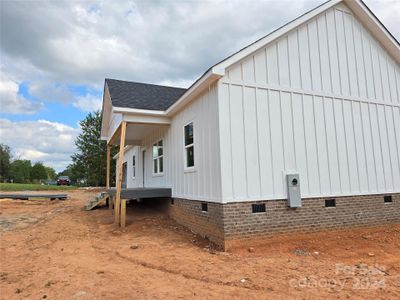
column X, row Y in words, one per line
column 142, row 95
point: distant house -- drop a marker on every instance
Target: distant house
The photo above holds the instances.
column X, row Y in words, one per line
column 296, row 132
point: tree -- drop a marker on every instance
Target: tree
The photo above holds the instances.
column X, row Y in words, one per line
column 51, row 173
column 5, row 161
column 20, row 170
column 38, row 172
column 89, row 163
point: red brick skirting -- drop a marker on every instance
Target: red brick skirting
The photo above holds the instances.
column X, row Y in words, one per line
column 228, row 224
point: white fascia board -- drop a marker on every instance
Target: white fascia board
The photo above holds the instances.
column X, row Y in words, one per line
column 126, row 110
column 140, row 116
column 133, row 115
column 146, row 119
column 372, row 23
column 105, row 113
column 202, row 83
column 221, row 67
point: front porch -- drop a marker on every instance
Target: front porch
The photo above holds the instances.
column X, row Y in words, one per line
column 131, row 132
column 125, row 194
column 141, row 193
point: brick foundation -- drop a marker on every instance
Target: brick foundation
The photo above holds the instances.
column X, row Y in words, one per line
column 229, row 224
column 208, row 224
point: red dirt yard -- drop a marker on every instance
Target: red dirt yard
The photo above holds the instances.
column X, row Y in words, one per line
column 56, row 250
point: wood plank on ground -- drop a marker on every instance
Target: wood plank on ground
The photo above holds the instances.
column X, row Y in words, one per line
column 32, row 196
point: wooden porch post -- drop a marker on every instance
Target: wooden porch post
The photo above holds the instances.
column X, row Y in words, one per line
column 117, row 206
column 123, row 213
column 108, row 167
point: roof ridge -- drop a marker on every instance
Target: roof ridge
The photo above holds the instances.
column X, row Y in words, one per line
column 145, row 83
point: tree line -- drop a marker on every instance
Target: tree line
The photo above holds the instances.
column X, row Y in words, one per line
column 88, row 167
column 89, row 163
column 22, row 170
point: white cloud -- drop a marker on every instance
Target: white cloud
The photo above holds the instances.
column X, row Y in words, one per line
column 182, row 83
column 82, row 42
column 150, row 41
column 32, row 154
column 88, row 103
column 13, row 103
column 50, row 92
column 50, row 142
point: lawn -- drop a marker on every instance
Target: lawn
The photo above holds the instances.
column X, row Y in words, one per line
column 32, row 187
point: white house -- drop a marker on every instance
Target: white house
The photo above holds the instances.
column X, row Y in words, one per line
column 318, row 99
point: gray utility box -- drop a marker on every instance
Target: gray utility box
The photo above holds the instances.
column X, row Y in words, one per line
column 293, row 186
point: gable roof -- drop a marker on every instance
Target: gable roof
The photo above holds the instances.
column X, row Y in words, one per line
column 359, row 8
column 142, row 95
column 170, row 104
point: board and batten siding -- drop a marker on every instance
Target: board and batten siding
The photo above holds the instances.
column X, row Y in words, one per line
column 202, row 183
column 131, row 181
column 323, row 101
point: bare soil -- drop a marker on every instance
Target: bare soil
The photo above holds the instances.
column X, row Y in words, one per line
column 56, row 250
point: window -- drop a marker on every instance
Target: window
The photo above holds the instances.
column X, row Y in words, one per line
column 387, row 199
column 189, row 145
column 258, row 208
column 134, row 166
column 158, row 155
column 204, row 207
column 330, row 203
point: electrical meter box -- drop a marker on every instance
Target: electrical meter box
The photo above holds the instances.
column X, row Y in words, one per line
column 293, row 186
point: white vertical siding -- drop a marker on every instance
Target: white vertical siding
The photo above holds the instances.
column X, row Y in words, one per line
column 324, row 101
column 225, row 135
column 339, row 146
column 332, row 53
column 251, row 145
column 128, row 158
column 205, row 181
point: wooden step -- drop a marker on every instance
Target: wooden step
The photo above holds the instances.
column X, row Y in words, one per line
column 100, row 198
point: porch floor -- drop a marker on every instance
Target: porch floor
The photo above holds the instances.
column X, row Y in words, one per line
column 146, row 192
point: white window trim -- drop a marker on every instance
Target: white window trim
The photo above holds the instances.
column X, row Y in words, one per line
column 187, row 169
column 134, row 166
column 154, row 158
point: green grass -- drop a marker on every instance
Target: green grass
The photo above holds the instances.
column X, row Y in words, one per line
column 33, row 187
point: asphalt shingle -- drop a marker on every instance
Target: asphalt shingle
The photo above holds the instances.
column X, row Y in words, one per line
column 142, row 95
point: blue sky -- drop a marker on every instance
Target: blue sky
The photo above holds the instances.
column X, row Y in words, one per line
column 54, row 56
column 65, row 113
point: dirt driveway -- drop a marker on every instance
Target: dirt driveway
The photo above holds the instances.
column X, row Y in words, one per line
column 56, row 250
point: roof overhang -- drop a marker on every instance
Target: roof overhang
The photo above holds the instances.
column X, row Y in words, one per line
column 359, row 8
column 196, row 89
column 139, row 122
column 106, row 113
column 375, row 26
column 126, row 110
